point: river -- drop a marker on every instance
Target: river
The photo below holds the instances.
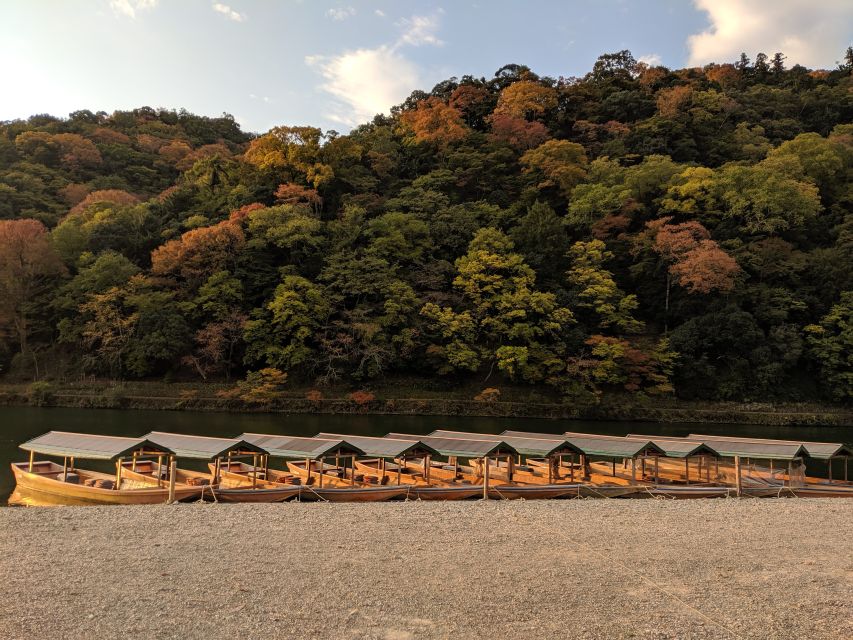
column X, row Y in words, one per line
column 18, row 424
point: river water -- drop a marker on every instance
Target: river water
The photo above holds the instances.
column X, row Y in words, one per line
column 18, row 424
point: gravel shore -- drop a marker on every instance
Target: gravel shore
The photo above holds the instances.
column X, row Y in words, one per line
column 774, row 568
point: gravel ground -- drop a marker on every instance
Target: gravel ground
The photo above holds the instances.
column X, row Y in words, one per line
column 583, row 568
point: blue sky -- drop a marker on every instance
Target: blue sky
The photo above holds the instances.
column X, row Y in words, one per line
column 335, row 63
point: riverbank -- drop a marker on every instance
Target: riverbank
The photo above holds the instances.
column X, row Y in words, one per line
column 585, row 568
column 410, row 399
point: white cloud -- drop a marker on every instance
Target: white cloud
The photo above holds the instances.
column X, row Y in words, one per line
column 810, row 33
column 419, row 30
column 651, row 59
column 340, row 13
column 379, row 12
column 365, row 82
column 228, row 12
column 130, row 7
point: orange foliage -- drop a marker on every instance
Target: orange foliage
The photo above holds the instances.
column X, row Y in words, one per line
column 149, row 143
column 113, row 196
column 76, row 151
column 434, row 121
column 673, row 101
column 698, row 263
column 291, row 193
column 238, row 215
column 199, row 253
column 175, row 151
column 489, row 394
column 706, row 268
column 726, row 75
column 526, row 99
column 518, row 132
column 206, row 151
column 74, row 193
column 314, row 395
column 362, row 398
column 109, row 136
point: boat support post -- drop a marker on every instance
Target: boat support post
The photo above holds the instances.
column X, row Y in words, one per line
column 172, row 473
column 486, row 478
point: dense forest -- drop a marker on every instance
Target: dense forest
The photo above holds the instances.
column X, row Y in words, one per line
column 638, row 230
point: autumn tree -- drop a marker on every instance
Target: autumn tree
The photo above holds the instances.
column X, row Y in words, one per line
column 526, row 99
column 28, row 264
column 434, row 121
column 696, row 262
column 199, row 253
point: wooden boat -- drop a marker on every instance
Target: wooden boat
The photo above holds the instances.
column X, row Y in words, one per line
column 44, row 486
column 48, row 483
column 232, row 487
column 418, row 488
column 499, row 489
column 336, row 488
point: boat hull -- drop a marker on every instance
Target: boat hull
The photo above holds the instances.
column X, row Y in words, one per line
column 533, row 492
column 355, row 494
column 33, row 489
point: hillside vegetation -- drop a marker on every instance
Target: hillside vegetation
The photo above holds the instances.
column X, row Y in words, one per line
column 637, row 230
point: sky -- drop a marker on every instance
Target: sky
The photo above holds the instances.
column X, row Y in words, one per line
column 335, row 64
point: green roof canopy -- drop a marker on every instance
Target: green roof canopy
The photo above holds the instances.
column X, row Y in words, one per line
column 461, row 446
column 92, row 447
column 543, row 447
column 678, row 447
column 602, row 446
column 819, row 450
column 729, row 447
column 387, row 447
column 203, row 447
column 302, row 448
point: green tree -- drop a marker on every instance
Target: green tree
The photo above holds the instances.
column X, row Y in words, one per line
column 831, row 346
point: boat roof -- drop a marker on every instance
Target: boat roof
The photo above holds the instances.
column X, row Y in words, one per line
column 387, row 447
column 463, row 446
column 596, row 445
column 302, row 447
column 679, row 447
column 203, row 447
column 92, row 447
column 525, row 446
column 820, row 450
column 747, row 448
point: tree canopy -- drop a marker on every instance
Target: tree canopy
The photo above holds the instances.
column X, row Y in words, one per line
column 639, row 230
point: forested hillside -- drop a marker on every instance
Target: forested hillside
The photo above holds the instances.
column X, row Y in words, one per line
column 640, row 230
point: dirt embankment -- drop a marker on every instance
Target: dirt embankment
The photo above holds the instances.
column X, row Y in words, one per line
column 582, row 569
